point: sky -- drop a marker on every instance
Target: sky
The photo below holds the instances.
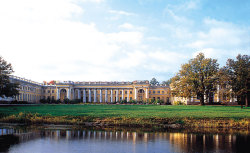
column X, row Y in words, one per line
column 119, row 40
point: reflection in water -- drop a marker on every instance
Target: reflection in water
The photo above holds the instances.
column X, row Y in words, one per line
column 45, row 140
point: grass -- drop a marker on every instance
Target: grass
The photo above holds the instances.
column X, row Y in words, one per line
column 129, row 115
column 131, row 111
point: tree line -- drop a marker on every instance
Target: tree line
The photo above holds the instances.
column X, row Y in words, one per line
column 201, row 76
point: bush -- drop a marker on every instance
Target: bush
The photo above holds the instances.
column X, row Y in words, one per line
column 124, row 102
column 178, row 103
column 43, row 101
column 18, row 102
column 66, row 101
column 75, row 101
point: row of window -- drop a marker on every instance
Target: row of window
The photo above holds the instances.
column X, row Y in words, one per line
column 158, row 92
column 25, row 88
column 52, row 91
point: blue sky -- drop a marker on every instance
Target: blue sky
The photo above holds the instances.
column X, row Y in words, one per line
column 116, row 40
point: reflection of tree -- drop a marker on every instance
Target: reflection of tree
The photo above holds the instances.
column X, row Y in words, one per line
column 202, row 141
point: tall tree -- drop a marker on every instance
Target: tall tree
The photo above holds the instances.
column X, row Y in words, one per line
column 168, row 82
column 196, row 78
column 239, row 76
column 7, row 88
column 154, row 82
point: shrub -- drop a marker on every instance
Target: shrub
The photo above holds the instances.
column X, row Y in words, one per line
column 178, row 103
column 66, row 101
column 75, row 101
column 43, row 101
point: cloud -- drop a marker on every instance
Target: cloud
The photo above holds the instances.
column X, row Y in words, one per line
column 44, row 44
column 131, row 27
column 126, row 26
column 220, row 35
column 119, row 12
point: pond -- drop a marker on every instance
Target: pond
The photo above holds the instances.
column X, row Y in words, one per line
column 64, row 139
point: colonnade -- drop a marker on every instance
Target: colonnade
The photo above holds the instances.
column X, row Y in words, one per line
column 95, row 96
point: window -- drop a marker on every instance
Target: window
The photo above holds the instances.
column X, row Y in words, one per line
column 130, row 98
column 163, row 92
column 149, row 91
column 154, row 92
column 130, row 92
column 158, row 92
column 53, row 98
column 126, row 92
column 120, row 92
column 53, row 91
column 48, row 91
column 120, row 98
column 158, row 98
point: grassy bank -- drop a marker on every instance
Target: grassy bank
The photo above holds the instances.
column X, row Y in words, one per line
column 129, row 115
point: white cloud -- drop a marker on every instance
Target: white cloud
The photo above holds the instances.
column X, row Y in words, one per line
column 126, row 26
column 131, row 27
column 119, row 12
column 58, row 47
column 220, row 35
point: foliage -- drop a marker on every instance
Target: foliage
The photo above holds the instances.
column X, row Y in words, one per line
column 168, row 82
column 7, row 88
column 66, row 101
column 196, row 78
column 178, row 103
column 154, row 82
column 239, row 76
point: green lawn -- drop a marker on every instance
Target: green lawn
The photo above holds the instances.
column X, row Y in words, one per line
column 142, row 111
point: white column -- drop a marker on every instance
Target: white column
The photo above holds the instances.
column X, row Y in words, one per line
column 58, row 94
column 146, row 93
column 218, row 93
column 106, row 95
column 135, row 94
column 73, row 93
column 84, row 95
column 90, row 95
column 192, row 99
column 122, row 94
column 79, row 94
column 231, row 97
column 100, row 95
column 111, row 95
column 94, row 95
column 117, row 97
column 128, row 95
column 68, row 93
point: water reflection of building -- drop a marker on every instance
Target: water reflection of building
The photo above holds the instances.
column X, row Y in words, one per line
column 180, row 142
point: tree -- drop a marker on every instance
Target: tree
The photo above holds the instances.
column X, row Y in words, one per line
column 196, row 78
column 154, row 82
column 223, row 82
column 239, row 76
column 7, row 89
column 168, row 82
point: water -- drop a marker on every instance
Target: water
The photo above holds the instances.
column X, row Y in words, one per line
column 66, row 140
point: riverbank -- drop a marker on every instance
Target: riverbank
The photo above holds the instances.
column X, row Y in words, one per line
column 175, row 117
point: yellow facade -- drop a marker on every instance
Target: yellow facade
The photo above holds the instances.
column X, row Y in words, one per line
column 96, row 92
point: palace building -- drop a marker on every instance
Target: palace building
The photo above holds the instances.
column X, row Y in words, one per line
column 92, row 92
